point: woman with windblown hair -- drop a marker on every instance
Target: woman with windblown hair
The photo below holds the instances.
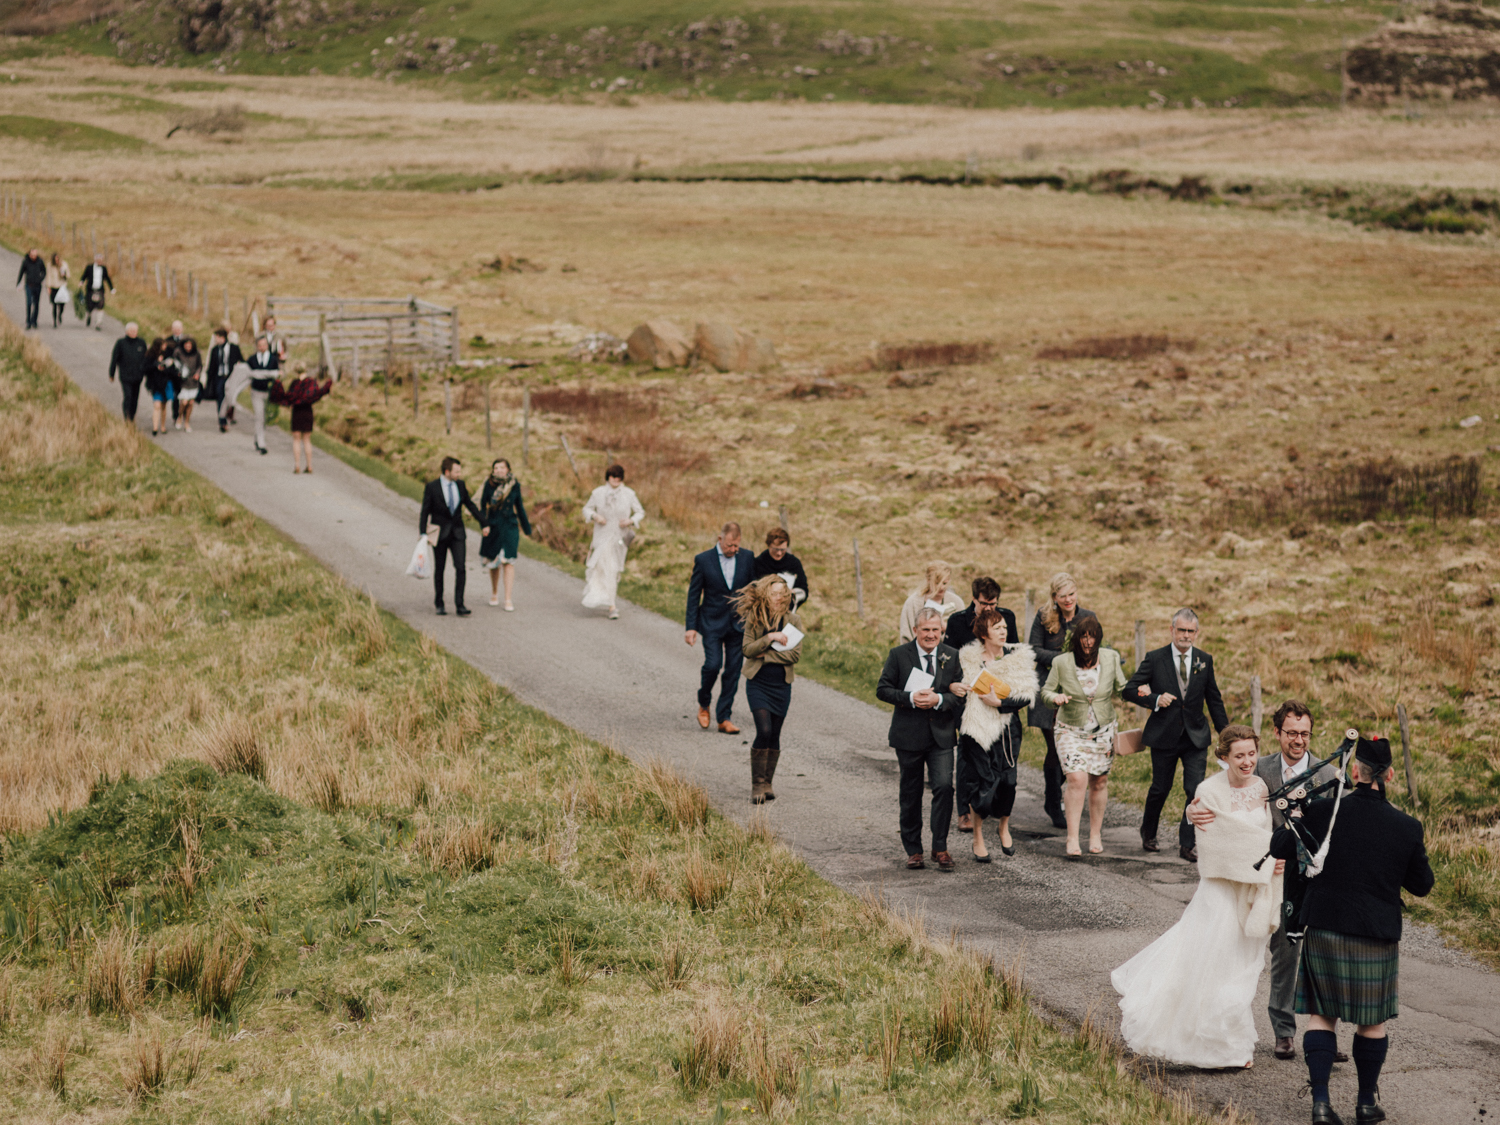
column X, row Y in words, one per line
column 765, row 608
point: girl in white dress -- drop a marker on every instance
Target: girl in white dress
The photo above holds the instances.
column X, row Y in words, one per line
column 1188, row 997
column 615, row 513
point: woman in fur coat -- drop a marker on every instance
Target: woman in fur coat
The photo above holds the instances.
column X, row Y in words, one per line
column 989, row 734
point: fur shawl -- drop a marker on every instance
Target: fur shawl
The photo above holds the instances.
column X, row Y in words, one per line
column 1229, row 848
column 1017, row 669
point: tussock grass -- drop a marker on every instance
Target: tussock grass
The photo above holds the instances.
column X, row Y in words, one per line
column 230, row 746
column 459, row 846
column 712, row 1047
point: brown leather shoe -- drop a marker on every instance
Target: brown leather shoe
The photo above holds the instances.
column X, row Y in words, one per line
column 944, row 861
column 703, row 719
column 1340, row 1056
column 1149, row 844
column 1285, row 1048
column 727, row 727
column 914, row 862
column 965, row 823
column 1189, row 854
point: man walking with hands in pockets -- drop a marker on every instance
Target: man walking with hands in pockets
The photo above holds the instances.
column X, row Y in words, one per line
column 1174, row 683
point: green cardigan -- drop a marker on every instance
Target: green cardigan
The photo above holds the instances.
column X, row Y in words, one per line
column 1063, row 680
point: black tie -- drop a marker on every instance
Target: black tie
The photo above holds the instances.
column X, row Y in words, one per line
column 927, row 663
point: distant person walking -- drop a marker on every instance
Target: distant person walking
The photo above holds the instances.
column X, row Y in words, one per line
column 33, row 274
column 615, row 512
column 161, row 382
column 190, row 384
column 923, row 731
column 502, row 513
column 128, row 361
column 223, row 357
column 1051, row 633
column 57, row 288
column 300, row 394
column 1082, row 685
column 777, row 558
column 719, row 573
column 1175, row 683
column 959, row 633
column 933, row 594
column 443, row 503
column 264, row 366
column 274, row 337
column 95, row 281
column 989, row 733
column 766, row 613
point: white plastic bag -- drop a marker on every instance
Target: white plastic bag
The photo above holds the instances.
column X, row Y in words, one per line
column 421, row 560
column 62, row 297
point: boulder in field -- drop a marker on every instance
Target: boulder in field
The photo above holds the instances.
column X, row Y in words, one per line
column 659, row 343
column 727, row 348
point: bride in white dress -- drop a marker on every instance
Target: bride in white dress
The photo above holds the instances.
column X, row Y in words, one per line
column 615, row 512
column 1188, row 997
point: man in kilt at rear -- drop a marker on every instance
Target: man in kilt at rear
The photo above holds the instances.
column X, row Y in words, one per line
column 1352, row 914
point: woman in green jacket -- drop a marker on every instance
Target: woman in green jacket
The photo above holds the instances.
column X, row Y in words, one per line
column 1082, row 684
column 504, row 518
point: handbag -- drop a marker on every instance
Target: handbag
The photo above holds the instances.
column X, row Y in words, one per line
column 1128, row 741
column 627, row 536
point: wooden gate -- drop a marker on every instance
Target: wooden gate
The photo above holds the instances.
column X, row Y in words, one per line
column 370, row 333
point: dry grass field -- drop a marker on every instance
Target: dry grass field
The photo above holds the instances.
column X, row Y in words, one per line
column 1287, row 353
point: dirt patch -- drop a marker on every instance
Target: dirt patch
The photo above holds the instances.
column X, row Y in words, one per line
column 1116, row 347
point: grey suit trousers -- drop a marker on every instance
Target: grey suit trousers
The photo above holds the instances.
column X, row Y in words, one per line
column 1286, row 958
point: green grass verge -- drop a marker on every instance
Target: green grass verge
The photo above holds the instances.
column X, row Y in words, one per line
column 68, row 135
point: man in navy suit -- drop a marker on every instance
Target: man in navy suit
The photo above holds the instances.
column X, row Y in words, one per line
column 718, row 574
column 1175, row 683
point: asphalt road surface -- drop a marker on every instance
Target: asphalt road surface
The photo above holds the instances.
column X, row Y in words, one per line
column 1071, row 920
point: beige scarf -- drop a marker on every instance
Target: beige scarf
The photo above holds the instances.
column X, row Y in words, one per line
column 1229, row 849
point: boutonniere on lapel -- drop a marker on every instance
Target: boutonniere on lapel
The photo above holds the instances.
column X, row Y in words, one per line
column 942, row 660
column 1198, row 666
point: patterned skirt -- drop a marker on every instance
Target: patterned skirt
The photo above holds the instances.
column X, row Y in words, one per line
column 1348, row 978
column 1085, row 751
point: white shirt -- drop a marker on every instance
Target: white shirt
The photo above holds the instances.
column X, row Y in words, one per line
column 927, row 661
column 726, row 566
column 1296, row 769
column 450, row 494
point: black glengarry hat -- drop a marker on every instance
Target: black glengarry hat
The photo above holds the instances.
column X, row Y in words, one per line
column 1374, row 750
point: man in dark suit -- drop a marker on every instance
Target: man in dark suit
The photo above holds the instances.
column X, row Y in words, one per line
column 33, row 274
column 443, row 503
column 985, row 594
column 1352, row 913
column 222, row 358
column 1174, row 683
column 128, row 360
column 718, row 574
column 924, row 731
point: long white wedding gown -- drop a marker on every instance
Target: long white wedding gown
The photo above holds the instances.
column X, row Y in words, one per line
column 1188, row 997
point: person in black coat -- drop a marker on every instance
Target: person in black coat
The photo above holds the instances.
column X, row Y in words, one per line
column 222, row 358
column 128, row 360
column 33, row 273
column 984, row 594
column 1174, row 683
column 1352, row 914
column 924, row 732
column 443, row 503
column 1051, row 634
column 777, row 558
column 719, row 573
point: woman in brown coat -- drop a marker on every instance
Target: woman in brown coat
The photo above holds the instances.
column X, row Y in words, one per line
column 772, row 645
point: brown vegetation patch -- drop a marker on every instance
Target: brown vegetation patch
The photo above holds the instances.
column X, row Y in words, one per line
column 930, row 353
column 825, row 388
column 1372, row 489
column 1116, row 347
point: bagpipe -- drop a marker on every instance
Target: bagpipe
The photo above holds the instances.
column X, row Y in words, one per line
column 1290, row 800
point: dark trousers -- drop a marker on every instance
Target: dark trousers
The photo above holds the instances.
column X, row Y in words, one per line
column 1052, row 777
column 722, row 653
column 938, row 764
column 965, row 787
column 1163, row 774
column 33, row 304
column 130, row 394
column 456, row 545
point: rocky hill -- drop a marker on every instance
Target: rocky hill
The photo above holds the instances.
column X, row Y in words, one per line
column 1443, row 50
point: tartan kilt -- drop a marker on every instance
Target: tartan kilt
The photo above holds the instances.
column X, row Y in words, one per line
column 1348, row 978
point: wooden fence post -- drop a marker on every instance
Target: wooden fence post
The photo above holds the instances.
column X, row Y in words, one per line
column 1140, row 655
column 1411, row 771
column 1028, row 612
column 448, row 404
column 572, row 464
column 488, row 444
column 355, row 363
column 526, row 428
column 859, row 583
column 453, row 337
column 1256, row 712
column 416, row 394
column 785, row 526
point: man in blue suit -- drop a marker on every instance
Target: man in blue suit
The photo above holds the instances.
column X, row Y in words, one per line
column 718, row 574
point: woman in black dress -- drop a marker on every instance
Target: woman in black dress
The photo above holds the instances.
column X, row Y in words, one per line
column 503, row 513
column 989, row 733
column 161, row 382
column 765, row 607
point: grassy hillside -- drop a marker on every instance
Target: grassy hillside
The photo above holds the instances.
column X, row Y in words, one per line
column 998, row 53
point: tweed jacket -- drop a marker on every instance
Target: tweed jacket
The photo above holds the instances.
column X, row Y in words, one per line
column 758, row 652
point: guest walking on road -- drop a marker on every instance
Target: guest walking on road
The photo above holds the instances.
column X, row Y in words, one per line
column 161, row 382
column 1082, row 685
column 189, row 385
column 989, row 733
column 719, row 573
column 502, row 514
column 923, row 681
column 95, row 281
column 443, row 503
column 57, row 288
column 960, row 632
column 223, row 357
column 615, row 512
column 1051, row 633
column 32, row 274
column 129, row 361
column 777, row 558
column 300, row 394
column 765, row 611
column 265, row 365
column 933, row 594
column 1174, row 683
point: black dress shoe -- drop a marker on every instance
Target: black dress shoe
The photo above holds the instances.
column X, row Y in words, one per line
column 1340, row 1056
column 1322, row 1114
column 1149, row 844
column 1285, row 1048
column 1008, row 851
column 986, row 858
column 463, row 611
column 441, row 612
column 1189, row 854
column 1058, row 820
column 1368, row 1114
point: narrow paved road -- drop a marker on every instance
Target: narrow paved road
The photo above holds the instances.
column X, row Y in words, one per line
column 1073, row 921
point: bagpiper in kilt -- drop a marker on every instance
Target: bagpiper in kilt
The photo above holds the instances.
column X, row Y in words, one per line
column 1352, row 914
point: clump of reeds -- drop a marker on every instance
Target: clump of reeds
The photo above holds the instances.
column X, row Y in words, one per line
column 931, row 353
column 49, row 1060
column 180, row 962
column 146, row 1065
column 673, row 970
column 684, row 806
column 458, row 846
column 113, row 985
column 713, row 1042
column 230, row 746
column 570, row 967
column 1368, row 490
column 704, row 882
column 224, row 964
column 1116, row 347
